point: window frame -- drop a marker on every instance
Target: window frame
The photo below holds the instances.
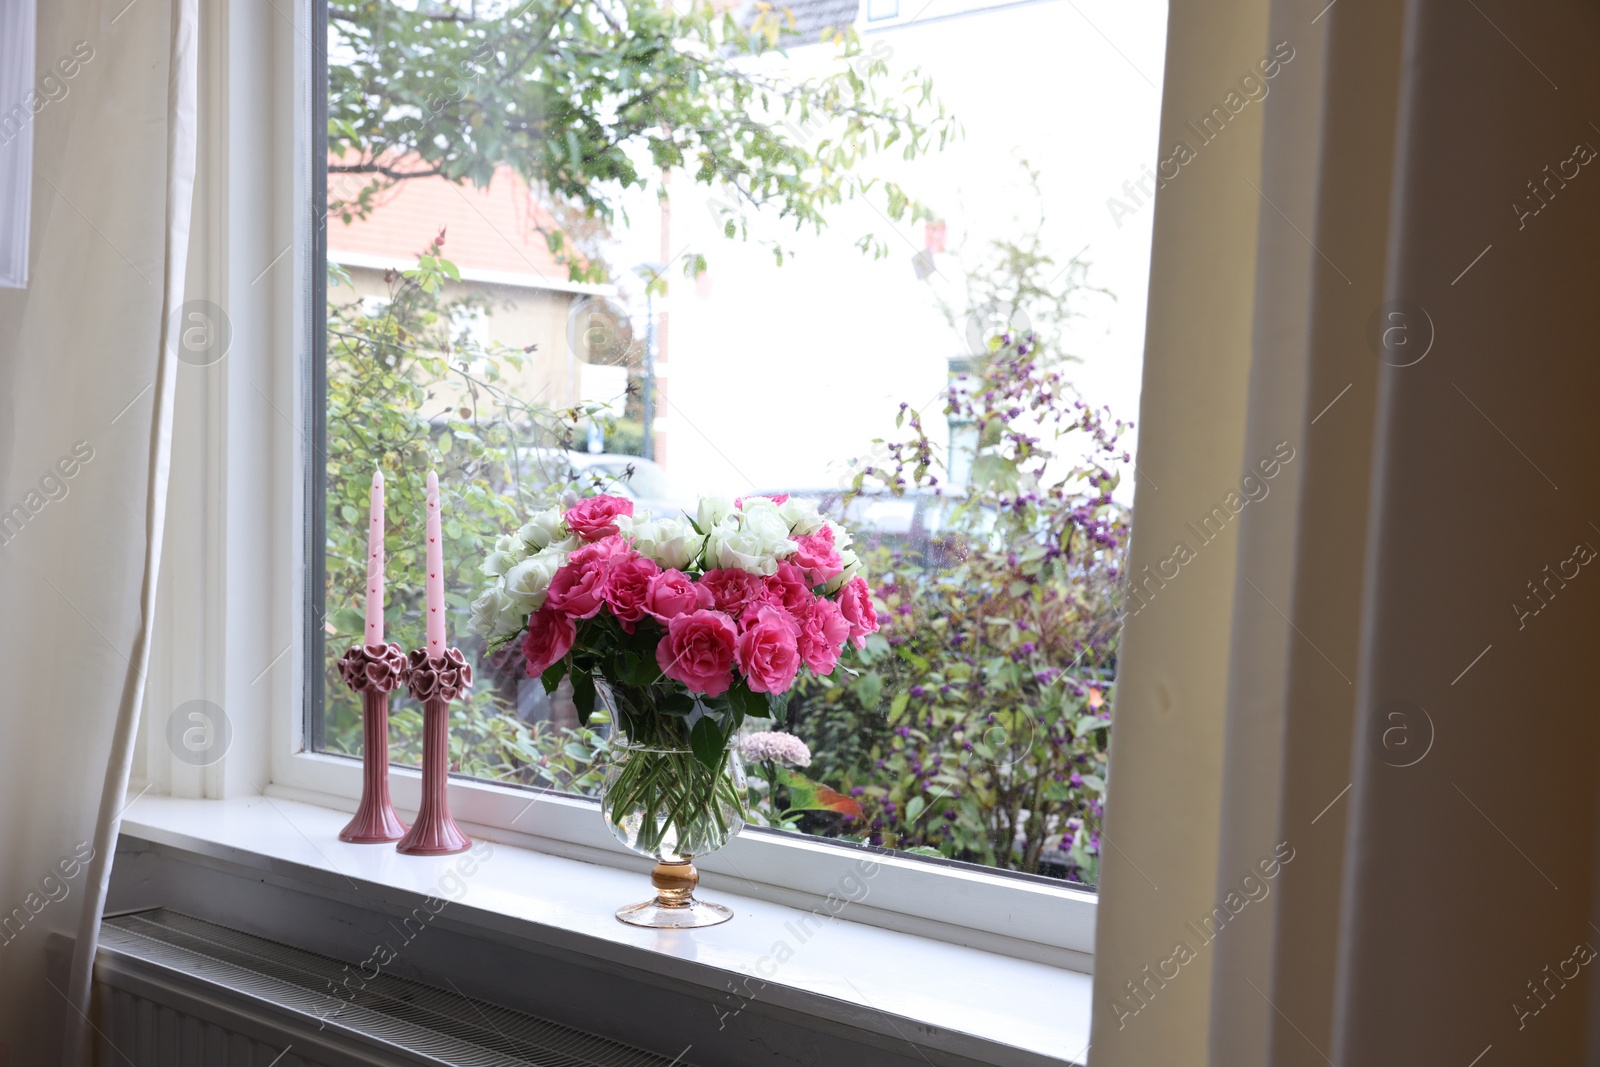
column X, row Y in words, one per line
column 1014, row 914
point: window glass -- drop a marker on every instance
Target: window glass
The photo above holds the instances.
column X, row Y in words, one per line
column 887, row 260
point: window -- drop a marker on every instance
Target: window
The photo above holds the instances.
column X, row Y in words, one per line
column 864, row 268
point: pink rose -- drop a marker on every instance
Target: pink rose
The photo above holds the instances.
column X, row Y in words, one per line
column 596, row 517
column 731, row 589
column 823, row 633
column 817, row 556
column 768, row 653
column 628, row 584
column 776, row 498
column 788, row 589
column 698, row 651
column 855, row 603
column 550, row 637
column 579, row 586
column 672, row 593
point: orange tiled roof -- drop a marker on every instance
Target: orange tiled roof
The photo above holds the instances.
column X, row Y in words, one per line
column 489, row 229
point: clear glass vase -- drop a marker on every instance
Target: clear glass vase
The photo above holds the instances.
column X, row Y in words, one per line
column 661, row 801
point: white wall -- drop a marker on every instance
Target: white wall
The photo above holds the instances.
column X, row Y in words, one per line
column 779, row 375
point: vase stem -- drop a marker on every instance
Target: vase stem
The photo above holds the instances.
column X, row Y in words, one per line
column 674, row 883
column 375, row 821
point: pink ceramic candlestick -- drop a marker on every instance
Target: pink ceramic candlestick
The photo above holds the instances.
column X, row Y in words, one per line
column 435, row 583
column 435, row 681
column 375, row 559
column 372, row 671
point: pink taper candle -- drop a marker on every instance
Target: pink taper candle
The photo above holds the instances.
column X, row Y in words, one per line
column 375, row 564
column 435, row 558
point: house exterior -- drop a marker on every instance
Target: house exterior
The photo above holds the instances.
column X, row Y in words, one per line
column 493, row 236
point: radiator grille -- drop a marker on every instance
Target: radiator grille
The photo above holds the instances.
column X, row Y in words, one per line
column 387, row 1011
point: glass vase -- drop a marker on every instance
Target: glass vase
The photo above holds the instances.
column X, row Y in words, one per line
column 661, row 801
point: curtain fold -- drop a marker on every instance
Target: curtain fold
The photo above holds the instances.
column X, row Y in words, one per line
column 1162, row 833
column 1406, row 710
column 86, row 376
column 1477, row 862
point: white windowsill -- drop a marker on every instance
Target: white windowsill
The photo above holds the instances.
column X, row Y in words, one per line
column 1032, row 919
column 933, row 994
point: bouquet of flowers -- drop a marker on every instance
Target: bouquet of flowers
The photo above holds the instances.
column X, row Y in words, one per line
column 681, row 627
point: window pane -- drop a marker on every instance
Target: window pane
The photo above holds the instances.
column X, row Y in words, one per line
column 886, row 260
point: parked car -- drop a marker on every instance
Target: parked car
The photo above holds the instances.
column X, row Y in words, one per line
column 917, row 523
column 641, row 480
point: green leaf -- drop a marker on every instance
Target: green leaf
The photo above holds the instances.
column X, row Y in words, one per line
column 778, row 705
column 583, row 694
column 1088, row 724
column 636, row 670
column 993, row 471
column 348, row 620
column 806, row 795
column 915, row 808
column 707, row 741
column 553, row 675
column 869, row 687
column 675, row 704
column 744, row 702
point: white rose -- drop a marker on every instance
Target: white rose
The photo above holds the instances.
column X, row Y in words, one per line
column 669, row 542
column 841, row 536
column 713, row 509
column 761, row 518
column 564, row 547
column 543, row 529
column 852, row 567
column 483, row 613
column 802, row 516
column 508, row 552
column 497, row 613
column 530, row 579
column 732, row 547
column 752, row 543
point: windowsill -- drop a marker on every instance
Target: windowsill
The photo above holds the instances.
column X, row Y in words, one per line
column 932, row 994
column 1034, row 919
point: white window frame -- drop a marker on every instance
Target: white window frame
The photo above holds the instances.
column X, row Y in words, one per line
column 230, row 623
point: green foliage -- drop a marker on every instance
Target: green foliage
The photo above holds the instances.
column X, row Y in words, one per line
column 998, row 645
column 404, row 396
column 589, row 98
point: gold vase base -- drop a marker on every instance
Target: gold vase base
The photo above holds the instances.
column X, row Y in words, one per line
column 674, row 907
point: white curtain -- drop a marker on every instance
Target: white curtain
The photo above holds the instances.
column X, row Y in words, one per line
column 86, row 385
column 1354, row 812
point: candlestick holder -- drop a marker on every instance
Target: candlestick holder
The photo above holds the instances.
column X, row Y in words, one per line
column 435, row 682
column 372, row 671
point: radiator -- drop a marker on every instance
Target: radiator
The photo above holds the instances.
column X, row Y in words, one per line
column 175, row 991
